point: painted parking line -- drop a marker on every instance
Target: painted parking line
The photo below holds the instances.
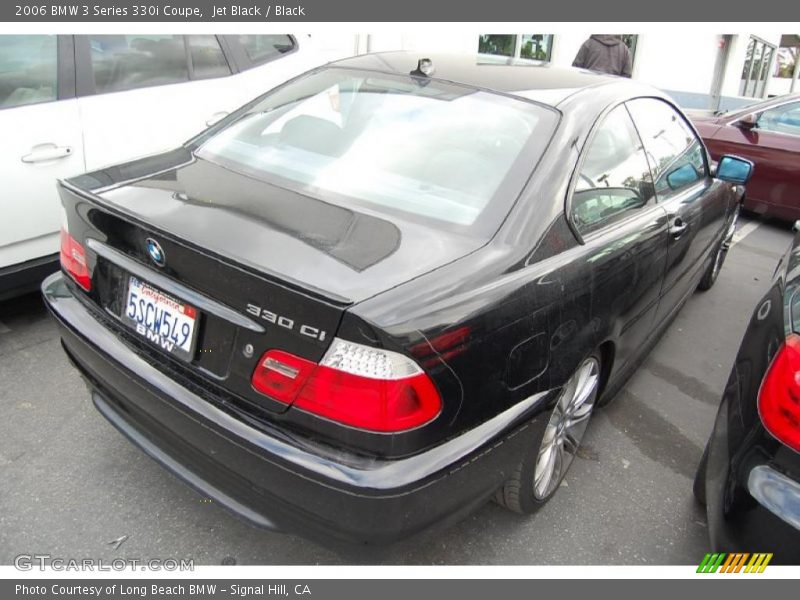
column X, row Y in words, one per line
column 745, row 230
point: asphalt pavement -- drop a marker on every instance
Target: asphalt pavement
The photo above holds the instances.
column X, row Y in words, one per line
column 70, row 484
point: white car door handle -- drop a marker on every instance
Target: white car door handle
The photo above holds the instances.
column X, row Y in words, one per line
column 43, row 152
column 216, row 117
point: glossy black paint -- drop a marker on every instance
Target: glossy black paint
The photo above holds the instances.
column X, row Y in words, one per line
column 496, row 323
column 739, row 442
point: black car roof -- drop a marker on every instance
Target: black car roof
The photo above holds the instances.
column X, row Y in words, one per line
column 501, row 74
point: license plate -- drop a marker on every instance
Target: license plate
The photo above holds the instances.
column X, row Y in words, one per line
column 160, row 319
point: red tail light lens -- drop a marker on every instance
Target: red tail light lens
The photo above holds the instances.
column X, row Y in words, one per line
column 73, row 259
column 779, row 396
column 280, row 375
column 355, row 385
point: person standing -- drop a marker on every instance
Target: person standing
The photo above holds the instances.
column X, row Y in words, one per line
column 605, row 53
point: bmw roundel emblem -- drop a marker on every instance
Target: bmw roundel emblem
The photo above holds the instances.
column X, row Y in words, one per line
column 156, row 253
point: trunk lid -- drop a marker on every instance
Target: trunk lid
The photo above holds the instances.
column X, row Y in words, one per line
column 265, row 267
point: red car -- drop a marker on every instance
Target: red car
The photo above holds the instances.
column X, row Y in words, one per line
column 767, row 133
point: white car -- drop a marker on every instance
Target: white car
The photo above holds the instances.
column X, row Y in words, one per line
column 70, row 104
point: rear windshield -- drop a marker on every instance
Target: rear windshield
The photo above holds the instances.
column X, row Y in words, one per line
column 425, row 149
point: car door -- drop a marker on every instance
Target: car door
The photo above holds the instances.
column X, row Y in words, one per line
column 623, row 229
column 141, row 94
column 696, row 204
column 42, row 142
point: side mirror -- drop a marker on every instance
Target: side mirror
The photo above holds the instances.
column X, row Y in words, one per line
column 734, row 169
column 748, row 122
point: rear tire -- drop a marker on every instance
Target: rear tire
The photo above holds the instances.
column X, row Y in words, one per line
column 541, row 470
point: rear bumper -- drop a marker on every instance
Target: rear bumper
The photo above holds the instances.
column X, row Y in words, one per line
column 751, row 507
column 776, row 492
column 274, row 479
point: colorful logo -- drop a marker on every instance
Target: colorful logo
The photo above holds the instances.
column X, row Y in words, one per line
column 155, row 252
column 734, row 563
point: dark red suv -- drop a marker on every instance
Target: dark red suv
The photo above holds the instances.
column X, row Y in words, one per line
column 767, row 133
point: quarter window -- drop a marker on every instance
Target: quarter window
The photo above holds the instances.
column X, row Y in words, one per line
column 126, row 62
column 614, row 178
column 781, row 119
column 263, row 48
column 207, row 57
column 28, row 69
column 676, row 155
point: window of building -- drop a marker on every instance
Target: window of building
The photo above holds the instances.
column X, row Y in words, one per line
column 631, row 41
column 28, row 69
column 537, row 46
column 786, row 57
column 756, row 69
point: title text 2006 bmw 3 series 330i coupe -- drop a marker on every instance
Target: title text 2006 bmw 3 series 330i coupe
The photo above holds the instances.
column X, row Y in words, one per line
column 391, row 289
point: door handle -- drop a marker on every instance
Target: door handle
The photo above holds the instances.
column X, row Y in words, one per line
column 678, row 227
column 216, row 117
column 44, row 152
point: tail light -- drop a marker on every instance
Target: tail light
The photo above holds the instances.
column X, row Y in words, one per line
column 779, row 396
column 355, row 385
column 73, row 259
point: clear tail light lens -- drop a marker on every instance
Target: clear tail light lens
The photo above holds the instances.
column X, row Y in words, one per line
column 355, row 385
column 779, row 396
column 73, row 259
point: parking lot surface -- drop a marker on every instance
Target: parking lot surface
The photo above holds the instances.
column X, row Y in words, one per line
column 71, row 484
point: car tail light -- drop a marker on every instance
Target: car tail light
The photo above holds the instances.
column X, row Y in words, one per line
column 73, row 259
column 355, row 385
column 779, row 396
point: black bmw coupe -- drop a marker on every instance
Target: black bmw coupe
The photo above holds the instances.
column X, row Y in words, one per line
column 390, row 289
column 749, row 475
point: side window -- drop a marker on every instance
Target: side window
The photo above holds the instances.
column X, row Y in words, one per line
column 676, row 154
column 781, row 119
column 126, row 62
column 263, row 48
column 614, row 177
column 207, row 57
column 28, row 69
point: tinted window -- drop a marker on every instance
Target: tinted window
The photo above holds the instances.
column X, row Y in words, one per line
column 614, row 177
column 433, row 152
column 207, row 57
column 676, row 155
column 126, row 62
column 261, row 48
column 28, row 69
column 781, row 119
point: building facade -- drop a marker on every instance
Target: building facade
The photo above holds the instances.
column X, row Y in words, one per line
column 701, row 71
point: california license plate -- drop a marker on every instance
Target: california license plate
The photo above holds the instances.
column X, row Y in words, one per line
column 161, row 319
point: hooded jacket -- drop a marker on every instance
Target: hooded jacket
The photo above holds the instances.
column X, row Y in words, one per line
column 605, row 53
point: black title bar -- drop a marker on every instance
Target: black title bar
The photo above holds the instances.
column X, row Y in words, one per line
column 211, row 11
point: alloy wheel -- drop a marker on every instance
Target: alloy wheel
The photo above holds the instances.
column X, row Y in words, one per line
column 565, row 430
